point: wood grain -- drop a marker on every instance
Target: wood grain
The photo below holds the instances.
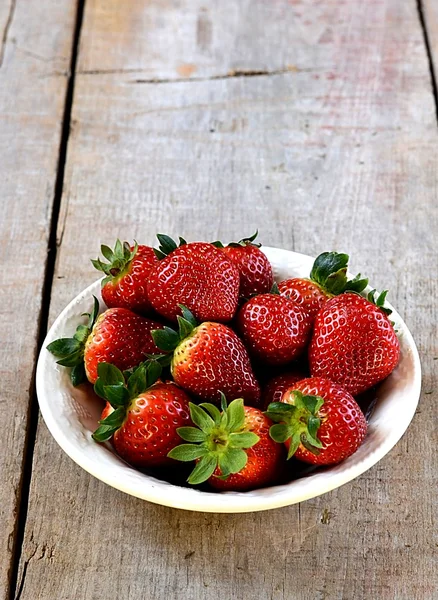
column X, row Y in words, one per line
column 35, row 46
column 334, row 145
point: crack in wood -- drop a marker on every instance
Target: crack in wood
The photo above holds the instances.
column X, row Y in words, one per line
column 429, row 54
column 6, row 31
column 230, row 75
column 15, row 588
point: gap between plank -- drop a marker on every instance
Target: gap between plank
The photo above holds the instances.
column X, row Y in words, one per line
column 15, row 587
column 421, row 16
column 6, row 31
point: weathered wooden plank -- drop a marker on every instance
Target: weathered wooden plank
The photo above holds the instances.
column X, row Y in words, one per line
column 337, row 152
column 35, row 48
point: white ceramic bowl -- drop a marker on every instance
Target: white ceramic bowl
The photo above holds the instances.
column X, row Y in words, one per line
column 71, row 416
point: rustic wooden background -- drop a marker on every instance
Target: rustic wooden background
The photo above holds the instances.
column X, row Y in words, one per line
column 315, row 121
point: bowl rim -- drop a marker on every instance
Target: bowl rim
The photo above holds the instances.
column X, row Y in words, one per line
column 164, row 493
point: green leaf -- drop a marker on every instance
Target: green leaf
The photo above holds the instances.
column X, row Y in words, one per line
column 185, row 328
column 118, row 250
column 217, row 244
column 313, row 425
column 201, row 418
column 99, row 265
column 182, row 241
column 213, row 411
column 232, row 461
column 64, row 347
column 224, row 402
column 356, row 285
column 98, row 388
column 160, row 255
column 153, row 372
column 312, row 403
column 137, row 382
column 104, row 433
column 236, row 415
column 167, row 244
column 188, row 315
column 310, row 445
column 166, row 339
column 280, row 411
column 251, row 238
column 381, row 298
column 203, row 470
column 117, row 395
column 75, row 358
column 275, row 289
column 280, row 432
column 82, row 333
column 187, row 452
column 191, row 434
column 115, row 418
column 94, row 313
column 245, row 439
column 109, row 374
column 371, row 295
column 294, row 444
column 107, row 253
column 77, row 374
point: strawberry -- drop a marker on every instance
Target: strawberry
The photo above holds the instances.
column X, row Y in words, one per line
column 207, row 359
column 197, row 275
column 117, row 336
column 328, row 278
column 319, row 421
column 142, row 414
column 275, row 388
column 232, row 448
column 274, row 329
column 256, row 276
column 127, row 272
column 354, row 343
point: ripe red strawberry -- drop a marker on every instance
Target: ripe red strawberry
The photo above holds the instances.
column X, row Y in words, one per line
column 126, row 273
column 256, row 276
column 354, row 343
column 208, row 359
column 117, row 336
column 274, row 329
column 328, row 278
column 197, row 275
column 232, row 448
column 275, row 388
column 319, row 421
column 142, row 414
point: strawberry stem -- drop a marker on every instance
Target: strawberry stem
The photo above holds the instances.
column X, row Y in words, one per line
column 119, row 260
column 219, row 440
column 70, row 351
column 329, row 271
column 296, row 422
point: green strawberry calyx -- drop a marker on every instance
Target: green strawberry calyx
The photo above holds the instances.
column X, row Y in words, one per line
column 119, row 260
column 297, row 422
column 379, row 301
column 329, row 271
column 119, row 389
column 167, row 245
column 167, row 339
column 249, row 241
column 70, row 351
column 218, row 441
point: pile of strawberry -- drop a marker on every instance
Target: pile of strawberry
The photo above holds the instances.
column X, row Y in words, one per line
column 191, row 332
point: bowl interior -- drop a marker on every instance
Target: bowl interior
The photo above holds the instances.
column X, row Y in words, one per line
column 71, row 415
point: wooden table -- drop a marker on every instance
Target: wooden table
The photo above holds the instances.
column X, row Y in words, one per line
column 315, row 122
